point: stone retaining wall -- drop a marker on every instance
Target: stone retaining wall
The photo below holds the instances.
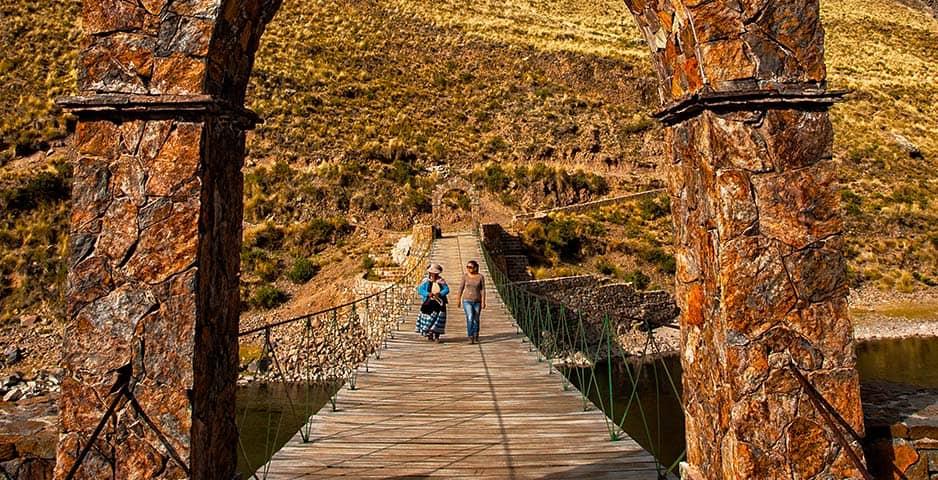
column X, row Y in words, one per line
column 507, row 252
column 627, row 309
column 582, row 207
column 594, row 298
column 335, row 343
column 901, row 430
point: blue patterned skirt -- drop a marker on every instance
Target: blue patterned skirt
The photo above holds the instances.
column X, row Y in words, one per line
column 434, row 322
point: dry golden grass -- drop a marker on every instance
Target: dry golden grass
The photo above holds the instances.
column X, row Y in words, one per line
column 602, row 28
column 38, row 47
column 885, row 52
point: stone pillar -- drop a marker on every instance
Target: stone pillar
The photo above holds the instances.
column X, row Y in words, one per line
column 758, row 234
column 153, row 289
column 153, row 303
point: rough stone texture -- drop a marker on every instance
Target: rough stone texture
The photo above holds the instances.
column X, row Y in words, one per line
column 627, row 307
column 758, row 234
column 761, row 282
column 507, row 252
column 155, row 235
column 27, row 446
column 459, row 184
column 132, row 296
column 901, row 429
column 704, row 47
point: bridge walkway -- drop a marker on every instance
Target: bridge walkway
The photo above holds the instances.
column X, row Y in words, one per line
column 455, row 410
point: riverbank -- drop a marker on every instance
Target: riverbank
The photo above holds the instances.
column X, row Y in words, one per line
column 877, row 314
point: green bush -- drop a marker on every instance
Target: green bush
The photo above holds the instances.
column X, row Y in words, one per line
column 562, row 237
column 663, row 260
column 638, row 279
column 417, row 202
column 652, row 208
column 311, row 236
column 44, row 188
column 267, row 297
column 851, row 201
column 494, row 178
column 267, row 237
column 257, row 261
column 303, row 270
column 924, row 279
column 606, row 267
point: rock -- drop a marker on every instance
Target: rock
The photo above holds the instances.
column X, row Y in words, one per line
column 13, row 395
column 7, row 451
column 29, row 321
column 12, row 380
column 906, row 146
column 12, row 355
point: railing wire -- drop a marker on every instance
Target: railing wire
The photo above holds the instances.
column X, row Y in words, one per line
column 580, row 346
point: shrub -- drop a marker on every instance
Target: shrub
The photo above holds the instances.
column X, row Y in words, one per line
column 400, row 172
column 258, row 262
column 851, row 201
column 416, row 201
column 606, row 267
column 267, row 297
column 663, row 260
column 652, row 208
column 45, row 188
column 303, row 270
column 310, row 236
column 638, row 279
column 924, row 279
column 638, row 125
column 267, row 237
column 562, row 237
column 494, row 178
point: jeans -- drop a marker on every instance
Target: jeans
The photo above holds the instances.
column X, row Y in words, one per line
column 473, row 311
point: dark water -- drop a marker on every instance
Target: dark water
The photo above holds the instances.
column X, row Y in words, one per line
column 654, row 417
column 269, row 415
column 912, row 360
column 906, row 360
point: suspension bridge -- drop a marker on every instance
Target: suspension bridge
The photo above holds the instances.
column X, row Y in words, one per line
column 456, row 410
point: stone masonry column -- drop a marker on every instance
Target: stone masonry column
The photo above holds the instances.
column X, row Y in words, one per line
column 758, row 234
column 153, row 304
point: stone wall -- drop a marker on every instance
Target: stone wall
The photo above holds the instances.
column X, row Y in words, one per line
column 583, row 207
column 152, row 307
column 507, row 252
column 330, row 345
column 27, row 444
column 619, row 300
column 595, row 302
column 901, row 430
column 758, row 235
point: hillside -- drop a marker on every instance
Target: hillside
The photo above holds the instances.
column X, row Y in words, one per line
column 367, row 105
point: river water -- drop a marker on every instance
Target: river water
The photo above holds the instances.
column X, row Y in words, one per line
column 268, row 416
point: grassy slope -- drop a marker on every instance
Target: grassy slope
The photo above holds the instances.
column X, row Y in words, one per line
column 427, row 82
column 885, row 52
column 37, row 53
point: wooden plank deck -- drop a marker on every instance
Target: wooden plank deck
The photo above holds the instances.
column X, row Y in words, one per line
column 454, row 410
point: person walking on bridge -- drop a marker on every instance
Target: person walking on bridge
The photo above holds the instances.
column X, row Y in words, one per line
column 472, row 298
column 431, row 321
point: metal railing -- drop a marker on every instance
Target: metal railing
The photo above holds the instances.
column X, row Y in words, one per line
column 326, row 347
column 321, row 349
column 586, row 350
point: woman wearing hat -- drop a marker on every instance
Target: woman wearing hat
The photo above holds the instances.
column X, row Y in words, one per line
column 431, row 322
